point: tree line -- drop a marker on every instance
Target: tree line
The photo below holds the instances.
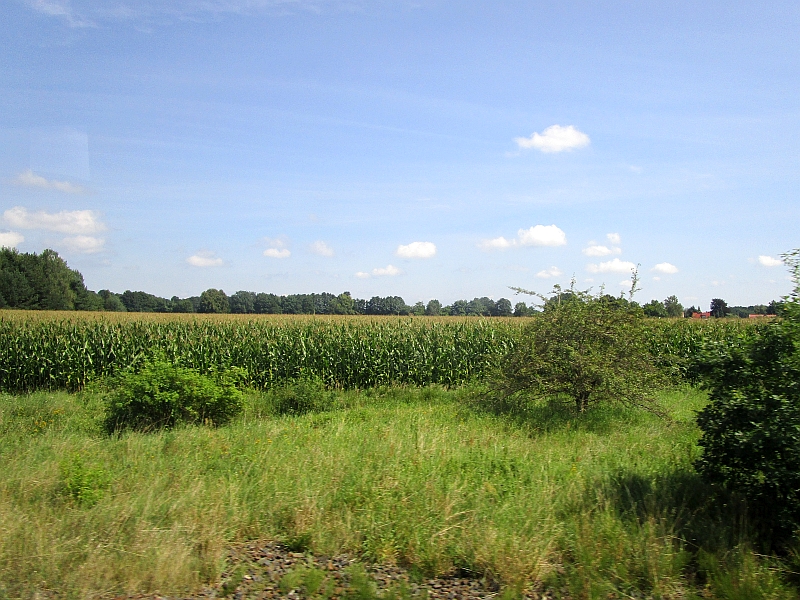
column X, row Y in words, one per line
column 45, row 282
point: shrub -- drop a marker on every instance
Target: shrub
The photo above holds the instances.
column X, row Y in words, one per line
column 163, row 395
column 300, row 397
column 585, row 349
column 751, row 426
column 83, row 483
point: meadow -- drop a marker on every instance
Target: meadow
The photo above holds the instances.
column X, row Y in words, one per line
column 428, row 474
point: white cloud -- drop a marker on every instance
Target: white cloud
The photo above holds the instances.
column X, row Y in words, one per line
column 30, row 179
column 204, row 258
column 551, row 272
column 542, row 235
column 75, row 222
column 656, row 278
column 600, row 251
column 768, row 261
column 362, row 275
column 666, row 268
column 555, row 139
column 611, row 266
column 416, row 250
column 387, row 270
column 277, row 248
column 85, row 244
column 321, row 248
column 614, row 238
column 59, row 8
column 538, row 235
column 277, row 252
column 11, row 239
column 498, row 243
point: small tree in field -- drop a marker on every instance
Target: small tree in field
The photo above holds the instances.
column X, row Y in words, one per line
column 585, row 349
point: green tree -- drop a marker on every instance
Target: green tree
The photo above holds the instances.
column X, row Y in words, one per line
column 502, row 308
column 673, row 307
column 243, row 302
column 520, row 309
column 111, row 301
column 433, row 308
column 719, row 308
column 418, row 309
column 654, row 308
column 214, row 301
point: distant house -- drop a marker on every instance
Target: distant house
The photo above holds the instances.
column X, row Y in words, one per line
column 759, row 316
column 701, row 315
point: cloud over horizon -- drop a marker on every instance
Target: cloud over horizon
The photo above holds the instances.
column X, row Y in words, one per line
column 555, row 139
column 30, row 179
column 204, row 258
column 11, row 239
column 538, row 235
column 84, row 244
column 277, row 248
column 320, row 248
column 611, row 266
column 666, row 268
column 75, row 222
column 416, row 250
column 551, row 272
column 769, row 261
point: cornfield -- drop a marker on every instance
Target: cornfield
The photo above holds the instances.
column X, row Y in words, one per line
column 57, row 353
column 40, row 350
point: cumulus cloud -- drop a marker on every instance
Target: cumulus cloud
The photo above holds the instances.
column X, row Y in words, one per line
column 555, row 139
column 551, row 272
column 768, row 261
column 596, row 250
column 277, row 248
column 614, row 238
column 362, row 275
column 85, row 244
column 611, row 266
column 665, row 268
column 204, row 258
column 30, row 179
column 321, row 248
column 75, row 222
column 11, row 239
column 277, row 252
column 416, row 250
column 389, row 270
column 542, row 235
column 538, row 235
column 497, row 243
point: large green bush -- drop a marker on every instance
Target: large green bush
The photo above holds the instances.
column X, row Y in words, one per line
column 163, row 395
column 751, row 426
column 585, row 349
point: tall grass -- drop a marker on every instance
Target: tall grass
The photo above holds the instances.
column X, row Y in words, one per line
column 602, row 506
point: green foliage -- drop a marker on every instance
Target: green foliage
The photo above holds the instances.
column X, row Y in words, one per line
column 673, row 307
column 751, row 426
column 718, row 308
column 311, row 581
column 215, row 301
column 654, row 308
column 585, row 349
column 82, row 482
column 300, row 397
column 163, row 395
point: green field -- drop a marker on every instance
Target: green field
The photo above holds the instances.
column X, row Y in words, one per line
column 408, row 461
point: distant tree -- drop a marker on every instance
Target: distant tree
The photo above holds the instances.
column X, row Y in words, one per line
column 360, row 306
column 654, row 308
column 267, row 304
column 502, row 308
column 458, row 308
column 292, row 304
column 673, row 307
column 344, row 304
column 688, row 312
column 178, row 305
column 521, row 309
column 434, row 308
column 243, row 302
column 418, row 309
column 719, row 308
column 214, row 301
column 143, row 302
column 111, row 301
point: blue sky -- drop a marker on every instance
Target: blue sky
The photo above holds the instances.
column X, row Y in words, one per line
column 424, row 149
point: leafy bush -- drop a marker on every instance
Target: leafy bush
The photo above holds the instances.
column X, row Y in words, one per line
column 83, row 483
column 751, row 426
column 300, row 397
column 163, row 395
column 583, row 348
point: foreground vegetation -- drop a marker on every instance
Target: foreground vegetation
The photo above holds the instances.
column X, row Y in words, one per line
column 602, row 505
